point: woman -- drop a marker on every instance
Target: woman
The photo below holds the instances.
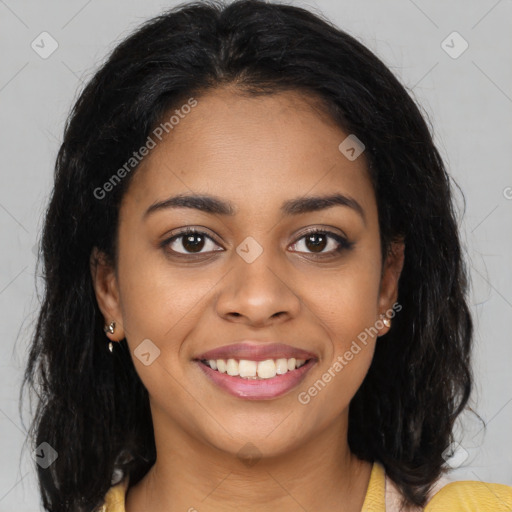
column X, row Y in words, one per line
column 255, row 290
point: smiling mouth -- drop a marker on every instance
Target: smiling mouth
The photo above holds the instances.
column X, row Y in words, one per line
column 255, row 370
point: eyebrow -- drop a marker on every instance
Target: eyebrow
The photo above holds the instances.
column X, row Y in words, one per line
column 216, row 206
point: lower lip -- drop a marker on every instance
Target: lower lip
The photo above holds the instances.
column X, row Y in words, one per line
column 258, row 389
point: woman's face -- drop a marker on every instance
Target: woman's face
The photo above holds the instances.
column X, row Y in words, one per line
column 252, row 276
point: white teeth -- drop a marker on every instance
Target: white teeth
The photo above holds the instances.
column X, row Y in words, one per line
column 247, row 368
column 255, row 369
column 282, row 366
column 266, row 369
column 232, row 367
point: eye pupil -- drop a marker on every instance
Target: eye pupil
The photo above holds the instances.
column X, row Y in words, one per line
column 318, row 246
column 190, row 245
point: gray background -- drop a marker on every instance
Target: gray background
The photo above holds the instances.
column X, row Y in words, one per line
column 469, row 102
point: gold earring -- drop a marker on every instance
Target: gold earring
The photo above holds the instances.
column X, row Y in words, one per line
column 386, row 321
column 110, row 328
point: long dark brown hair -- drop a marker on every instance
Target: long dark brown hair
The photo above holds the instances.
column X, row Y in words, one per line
column 92, row 407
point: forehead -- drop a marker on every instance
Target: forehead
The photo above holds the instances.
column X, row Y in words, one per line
column 253, row 149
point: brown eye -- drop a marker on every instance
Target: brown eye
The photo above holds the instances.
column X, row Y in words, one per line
column 316, row 241
column 190, row 242
column 193, row 242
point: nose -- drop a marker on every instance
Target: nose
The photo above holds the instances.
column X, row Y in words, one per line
column 257, row 293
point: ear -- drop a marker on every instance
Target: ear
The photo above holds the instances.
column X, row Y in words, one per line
column 107, row 292
column 391, row 270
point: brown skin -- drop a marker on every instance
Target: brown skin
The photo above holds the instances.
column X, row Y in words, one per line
column 256, row 153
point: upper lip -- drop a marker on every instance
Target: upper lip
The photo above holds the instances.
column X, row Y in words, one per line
column 256, row 351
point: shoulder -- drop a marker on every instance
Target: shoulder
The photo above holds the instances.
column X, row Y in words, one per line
column 115, row 498
column 453, row 496
column 469, row 496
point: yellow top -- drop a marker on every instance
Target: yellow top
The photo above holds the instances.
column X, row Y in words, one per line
column 381, row 496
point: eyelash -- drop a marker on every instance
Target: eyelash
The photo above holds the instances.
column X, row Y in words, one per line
column 344, row 244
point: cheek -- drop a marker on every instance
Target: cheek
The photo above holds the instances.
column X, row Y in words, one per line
column 160, row 303
column 348, row 312
column 346, row 305
column 347, row 302
column 158, row 299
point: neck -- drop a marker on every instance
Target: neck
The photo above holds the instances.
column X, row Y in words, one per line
column 192, row 476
